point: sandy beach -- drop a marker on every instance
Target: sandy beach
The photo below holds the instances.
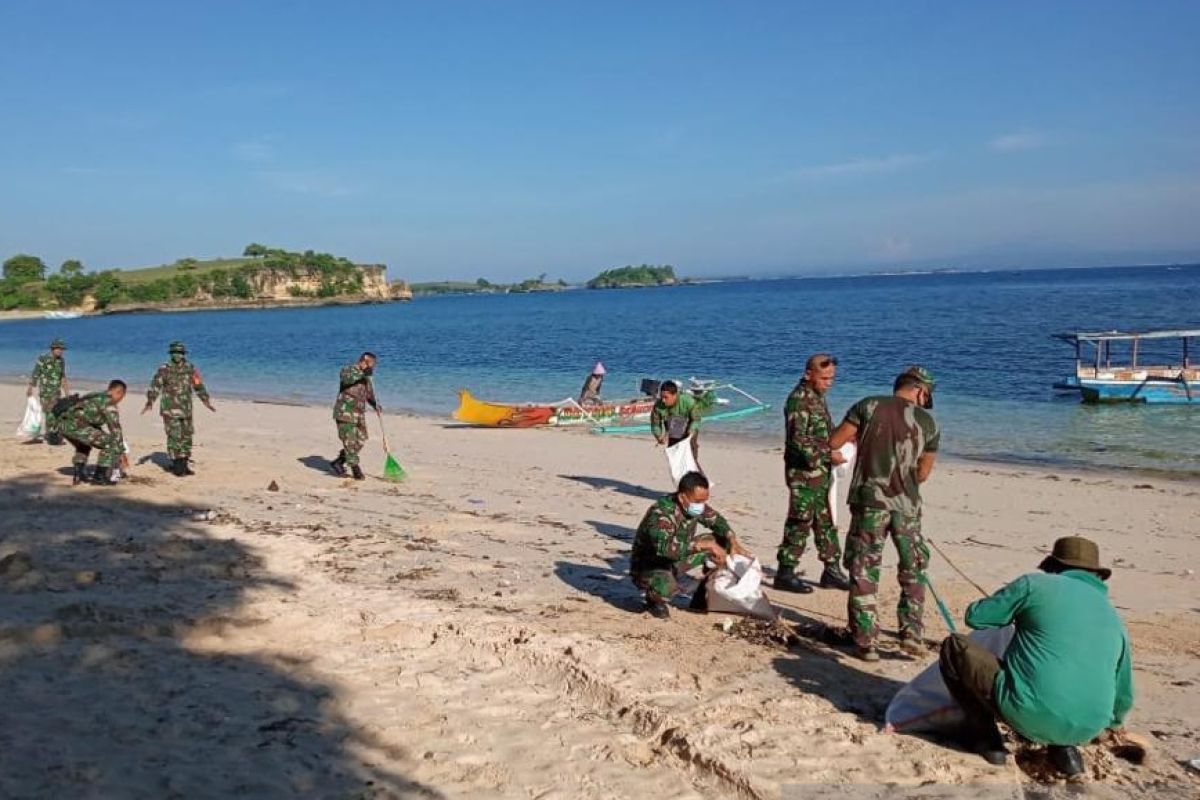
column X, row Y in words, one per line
column 472, row 631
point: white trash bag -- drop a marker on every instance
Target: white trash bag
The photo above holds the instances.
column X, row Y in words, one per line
column 31, row 425
column 839, row 475
column 924, row 703
column 681, row 460
column 736, row 588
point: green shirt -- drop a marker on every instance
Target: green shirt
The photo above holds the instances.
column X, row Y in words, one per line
column 1067, row 675
column 806, row 445
column 48, row 374
column 666, row 537
column 677, row 421
column 892, row 434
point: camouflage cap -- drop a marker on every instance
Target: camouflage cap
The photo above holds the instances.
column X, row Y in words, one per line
column 176, row 347
column 923, row 375
column 58, row 344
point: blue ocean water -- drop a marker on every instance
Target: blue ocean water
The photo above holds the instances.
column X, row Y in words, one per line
column 986, row 336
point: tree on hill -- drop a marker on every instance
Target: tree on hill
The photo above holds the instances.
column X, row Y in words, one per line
column 644, row 275
column 255, row 250
column 23, row 268
column 70, row 268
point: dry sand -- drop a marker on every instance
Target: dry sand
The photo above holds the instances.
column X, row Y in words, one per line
column 471, row 632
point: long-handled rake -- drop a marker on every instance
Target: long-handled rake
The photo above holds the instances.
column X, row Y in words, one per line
column 392, row 471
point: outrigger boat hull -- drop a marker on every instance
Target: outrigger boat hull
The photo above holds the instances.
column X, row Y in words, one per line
column 1152, row 390
column 481, row 413
column 1099, row 380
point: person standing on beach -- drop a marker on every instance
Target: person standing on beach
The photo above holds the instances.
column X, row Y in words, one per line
column 93, row 421
column 808, row 461
column 897, row 444
column 666, row 546
column 675, row 417
column 355, row 393
column 1067, row 674
column 49, row 380
column 175, row 381
column 589, row 395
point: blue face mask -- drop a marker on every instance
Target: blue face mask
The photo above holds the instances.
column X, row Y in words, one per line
column 695, row 509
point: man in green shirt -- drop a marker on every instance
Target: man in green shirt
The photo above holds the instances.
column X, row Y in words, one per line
column 676, row 416
column 898, row 441
column 1066, row 676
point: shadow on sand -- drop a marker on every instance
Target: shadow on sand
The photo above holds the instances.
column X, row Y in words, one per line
column 615, row 485
column 101, row 696
column 318, row 463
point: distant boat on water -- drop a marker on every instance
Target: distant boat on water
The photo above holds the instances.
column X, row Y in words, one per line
column 1103, row 379
column 63, row 314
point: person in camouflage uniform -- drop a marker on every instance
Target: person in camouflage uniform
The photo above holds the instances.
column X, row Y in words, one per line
column 807, row 460
column 355, row 393
column 174, row 382
column 93, row 421
column 666, row 546
column 49, row 381
column 897, row 444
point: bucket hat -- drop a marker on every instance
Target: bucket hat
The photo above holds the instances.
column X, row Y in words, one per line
column 1076, row 552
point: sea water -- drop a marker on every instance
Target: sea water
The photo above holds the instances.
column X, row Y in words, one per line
column 985, row 336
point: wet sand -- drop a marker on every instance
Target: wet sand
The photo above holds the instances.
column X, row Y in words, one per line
column 472, row 633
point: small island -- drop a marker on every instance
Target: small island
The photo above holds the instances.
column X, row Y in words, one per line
column 262, row 277
column 483, row 286
column 629, row 277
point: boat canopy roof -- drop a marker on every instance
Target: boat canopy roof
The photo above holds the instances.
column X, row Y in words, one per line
column 1109, row 336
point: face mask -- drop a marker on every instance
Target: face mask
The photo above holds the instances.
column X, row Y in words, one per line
column 695, row 509
column 177, row 357
column 368, row 371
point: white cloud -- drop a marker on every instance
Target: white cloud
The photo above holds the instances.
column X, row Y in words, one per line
column 865, row 166
column 1015, row 142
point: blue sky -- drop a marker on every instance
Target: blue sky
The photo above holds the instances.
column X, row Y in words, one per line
column 504, row 139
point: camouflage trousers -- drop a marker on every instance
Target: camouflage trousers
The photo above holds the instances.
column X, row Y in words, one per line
column 659, row 585
column 808, row 512
column 179, row 435
column 48, row 399
column 85, row 438
column 869, row 529
column 353, row 436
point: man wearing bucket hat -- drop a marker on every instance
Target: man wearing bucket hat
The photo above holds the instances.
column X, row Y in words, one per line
column 49, row 380
column 1066, row 676
column 175, row 381
column 589, row 395
column 897, row 443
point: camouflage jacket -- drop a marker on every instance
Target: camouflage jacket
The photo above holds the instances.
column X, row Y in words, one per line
column 808, row 427
column 893, row 434
column 96, row 410
column 175, row 382
column 665, row 538
column 354, row 394
column 677, row 421
column 48, row 374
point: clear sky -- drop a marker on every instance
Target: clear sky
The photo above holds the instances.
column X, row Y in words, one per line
column 504, row 139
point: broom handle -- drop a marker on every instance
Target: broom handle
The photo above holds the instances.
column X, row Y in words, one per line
column 382, row 431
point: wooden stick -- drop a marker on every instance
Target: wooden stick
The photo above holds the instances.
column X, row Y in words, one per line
column 954, row 566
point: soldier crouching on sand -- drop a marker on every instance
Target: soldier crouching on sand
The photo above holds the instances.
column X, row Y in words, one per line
column 93, row 421
column 666, row 546
column 355, row 393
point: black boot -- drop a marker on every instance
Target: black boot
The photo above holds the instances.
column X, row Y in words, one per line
column 1067, row 760
column 80, row 475
column 833, row 578
column 55, row 439
column 786, row 580
column 186, row 465
column 658, row 609
column 178, row 467
column 338, row 465
column 102, row 476
column 989, row 743
column 357, row 472
column 699, row 598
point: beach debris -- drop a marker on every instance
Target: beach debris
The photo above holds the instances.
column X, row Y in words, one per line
column 414, row 574
column 775, row 633
column 1194, row 763
column 1125, row 745
column 726, row 625
column 87, row 577
column 15, row 566
column 449, row 595
column 272, row 487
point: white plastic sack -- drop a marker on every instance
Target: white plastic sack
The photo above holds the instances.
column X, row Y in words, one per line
column 839, row 475
column 681, row 460
column 925, row 704
column 736, row 588
column 31, row 425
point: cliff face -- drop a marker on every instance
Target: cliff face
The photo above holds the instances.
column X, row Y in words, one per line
column 283, row 285
column 401, row 291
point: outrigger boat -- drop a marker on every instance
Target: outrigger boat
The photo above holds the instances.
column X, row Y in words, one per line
column 626, row 416
column 1098, row 380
